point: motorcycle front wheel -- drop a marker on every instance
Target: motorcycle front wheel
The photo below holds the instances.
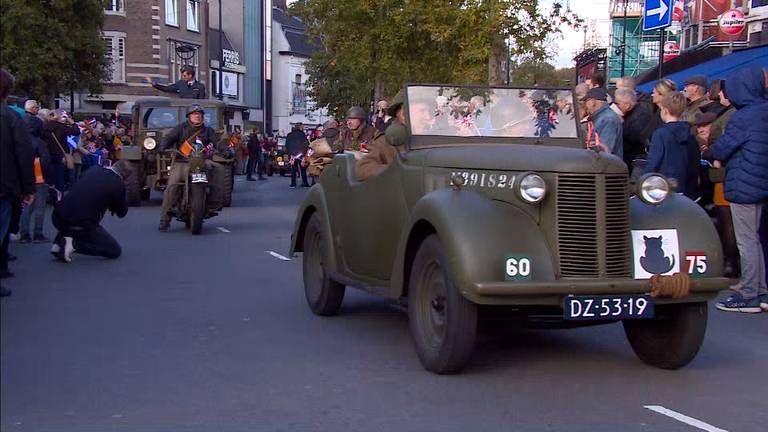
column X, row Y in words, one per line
column 196, row 207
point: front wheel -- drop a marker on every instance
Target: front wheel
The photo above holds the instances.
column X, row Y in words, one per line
column 132, row 186
column 671, row 339
column 443, row 323
column 196, row 207
column 323, row 294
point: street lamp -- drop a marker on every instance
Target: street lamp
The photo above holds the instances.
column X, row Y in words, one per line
column 221, row 53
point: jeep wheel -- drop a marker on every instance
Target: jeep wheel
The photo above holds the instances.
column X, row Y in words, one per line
column 443, row 323
column 132, row 187
column 228, row 185
column 323, row 295
column 671, row 339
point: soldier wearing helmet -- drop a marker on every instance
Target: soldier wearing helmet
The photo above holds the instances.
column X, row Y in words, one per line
column 187, row 87
column 357, row 134
column 193, row 130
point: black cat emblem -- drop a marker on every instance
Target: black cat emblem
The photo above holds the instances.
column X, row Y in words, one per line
column 654, row 260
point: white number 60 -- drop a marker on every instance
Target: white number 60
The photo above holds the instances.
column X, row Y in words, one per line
column 518, row 267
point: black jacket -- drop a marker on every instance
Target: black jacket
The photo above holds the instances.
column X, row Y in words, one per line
column 635, row 131
column 61, row 131
column 35, row 125
column 176, row 137
column 254, row 145
column 185, row 90
column 17, row 174
column 98, row 190
column 296, row 142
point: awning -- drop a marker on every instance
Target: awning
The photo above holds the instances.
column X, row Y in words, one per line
column 718, row 68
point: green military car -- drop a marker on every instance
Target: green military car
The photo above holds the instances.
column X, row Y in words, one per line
column 153, row 117
column 493, row 206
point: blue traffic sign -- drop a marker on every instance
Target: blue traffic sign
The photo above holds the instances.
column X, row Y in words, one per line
column 657, row 14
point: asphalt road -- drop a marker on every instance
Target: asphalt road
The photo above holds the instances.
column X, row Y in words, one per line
column 212, row 333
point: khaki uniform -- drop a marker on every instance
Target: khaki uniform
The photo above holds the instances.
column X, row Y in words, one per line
column 176, row 179
column 322, row 155
column 380, row 155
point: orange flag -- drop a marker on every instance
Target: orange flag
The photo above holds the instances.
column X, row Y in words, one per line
column 186, row 149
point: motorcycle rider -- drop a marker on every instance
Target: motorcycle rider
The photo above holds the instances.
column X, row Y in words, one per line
column 181, row 138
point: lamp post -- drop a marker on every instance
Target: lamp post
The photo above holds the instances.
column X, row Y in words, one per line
column 624, row 39
column 221, row 54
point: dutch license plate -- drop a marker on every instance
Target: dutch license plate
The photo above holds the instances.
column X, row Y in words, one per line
column 199, row 178
column 616, row 307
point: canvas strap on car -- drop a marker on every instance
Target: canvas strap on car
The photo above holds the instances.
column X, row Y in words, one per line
column 186, row 148
column 675, row 286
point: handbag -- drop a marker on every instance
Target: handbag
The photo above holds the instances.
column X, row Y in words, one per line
column 68, row 160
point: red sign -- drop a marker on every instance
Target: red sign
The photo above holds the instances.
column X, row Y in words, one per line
column 671, row 50
column 732, row 22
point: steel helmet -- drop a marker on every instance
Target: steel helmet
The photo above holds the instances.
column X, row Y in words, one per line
column 195, row 108
column 356, row 113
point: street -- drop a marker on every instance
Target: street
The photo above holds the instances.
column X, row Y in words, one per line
column 212, row 333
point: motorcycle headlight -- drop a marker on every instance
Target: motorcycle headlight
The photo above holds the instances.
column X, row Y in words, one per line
column 150, row 143
column 653, row 189
column 532, row 188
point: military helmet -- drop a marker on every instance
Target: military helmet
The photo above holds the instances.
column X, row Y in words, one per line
column 195, row 108
column 356, row 113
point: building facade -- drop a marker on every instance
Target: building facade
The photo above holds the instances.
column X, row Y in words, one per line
column 148, row 39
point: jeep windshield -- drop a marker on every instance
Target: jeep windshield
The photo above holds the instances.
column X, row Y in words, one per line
column 159, row 117
column 496, row 113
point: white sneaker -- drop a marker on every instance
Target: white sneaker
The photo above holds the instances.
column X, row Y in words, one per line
column 69, row 249
column 14, row 237
column 55, row 249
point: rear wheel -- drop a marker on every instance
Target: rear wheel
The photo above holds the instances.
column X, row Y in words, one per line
column 196, row 207
column 132, row 186
column 671, row 339
column 443, row 323
column 324, row 296
column 228, row 185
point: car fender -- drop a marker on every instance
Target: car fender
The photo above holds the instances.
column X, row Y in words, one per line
column 478, row 235
column 313, row 202
column 695, row 231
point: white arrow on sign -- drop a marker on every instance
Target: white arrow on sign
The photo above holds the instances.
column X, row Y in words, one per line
column 660, row 11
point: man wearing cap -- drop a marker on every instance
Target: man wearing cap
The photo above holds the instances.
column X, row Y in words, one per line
column 696, row 92
column 190, row 131
column 357, row 135
column 187, row 87
column 604, row 127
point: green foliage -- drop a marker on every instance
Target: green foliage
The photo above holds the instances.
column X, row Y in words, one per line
column 536, row 73
column 53, row 46
column 372, row 47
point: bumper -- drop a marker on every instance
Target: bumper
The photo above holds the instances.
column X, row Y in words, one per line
column 587, row 287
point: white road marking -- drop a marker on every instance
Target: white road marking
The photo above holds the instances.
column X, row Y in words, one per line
column 224, row 230
column 684, row 418
column 278, row 256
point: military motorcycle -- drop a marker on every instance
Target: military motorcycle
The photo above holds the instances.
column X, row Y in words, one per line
column 196, row 203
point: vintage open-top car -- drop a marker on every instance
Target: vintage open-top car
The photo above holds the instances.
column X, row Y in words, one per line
column 494, row 201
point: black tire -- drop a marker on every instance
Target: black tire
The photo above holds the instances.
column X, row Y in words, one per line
column 132, row 187
column 283, row 173
column 196, row 207
column 145, row 193
column 228, row 185
column 671, row 339
column 324, row 296
column 270, row 171
column 443, row 323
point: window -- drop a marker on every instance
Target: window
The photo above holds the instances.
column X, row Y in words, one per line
column 114, row 7
column 180, row 54
column 171, row 17
column 116, row 55
column 193, row 15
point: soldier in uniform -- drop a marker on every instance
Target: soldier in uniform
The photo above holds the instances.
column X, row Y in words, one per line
column 187, row 87
column 383, row 151
column 358, row 134
column 190, row 131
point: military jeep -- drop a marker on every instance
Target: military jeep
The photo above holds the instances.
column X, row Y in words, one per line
column 153, row 117
column 494, row 206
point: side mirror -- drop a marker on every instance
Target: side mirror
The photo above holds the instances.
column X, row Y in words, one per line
column 396, row 134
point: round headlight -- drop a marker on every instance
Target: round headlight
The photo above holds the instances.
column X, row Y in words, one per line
column 532, row 188
column 150, row 143
column 654, row 189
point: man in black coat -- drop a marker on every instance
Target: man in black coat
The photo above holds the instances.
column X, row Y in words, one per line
column 79, row 214
column 255, row 156
column 17, row 177
column 186, row 88
column 636, row 118
column 296, row 145
column 55, row 133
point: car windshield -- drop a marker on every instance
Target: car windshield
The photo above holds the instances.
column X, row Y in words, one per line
column 210, row 117
column 491, row 112
column 159, row 117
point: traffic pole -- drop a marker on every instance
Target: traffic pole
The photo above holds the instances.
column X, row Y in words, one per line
column 662, row 32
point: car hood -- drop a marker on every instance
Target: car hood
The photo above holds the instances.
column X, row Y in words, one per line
column 521, row 157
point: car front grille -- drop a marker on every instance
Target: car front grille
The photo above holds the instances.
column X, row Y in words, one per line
column 593, row 226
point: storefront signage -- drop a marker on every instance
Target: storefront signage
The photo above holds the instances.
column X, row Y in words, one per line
column 732, row 22
column 231, row 58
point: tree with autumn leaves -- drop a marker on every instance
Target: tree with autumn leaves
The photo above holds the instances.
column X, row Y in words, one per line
column 53, row 46
column 371, row 47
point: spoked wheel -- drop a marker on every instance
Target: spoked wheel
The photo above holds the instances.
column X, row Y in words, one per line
column 671, row 339
column 324, row 295
column 443, row 323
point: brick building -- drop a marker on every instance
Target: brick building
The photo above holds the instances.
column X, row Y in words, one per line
column 149, row 38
